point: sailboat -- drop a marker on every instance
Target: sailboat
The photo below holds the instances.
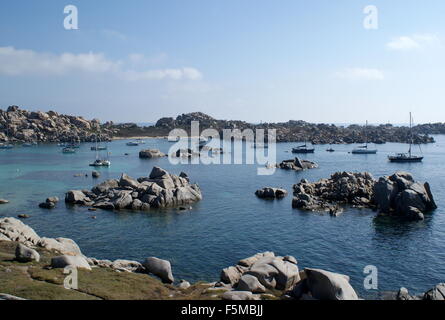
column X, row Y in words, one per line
column 407, row 157
column 98, row 147
column 364, row 149
column 303, row 149
column 99, row 162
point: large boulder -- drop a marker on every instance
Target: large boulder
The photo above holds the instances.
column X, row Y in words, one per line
column 63, row 245
column 158, row 173
column 127, row 265
column 250, row 283
column 75, row 197
column 25, row 254
column 325, row 285
column 105, row 186
column 436, row 293
column 127, row 181
column 231, row 275
column 248, row 262
column 13, row 229
column 275, row 273
column 123, row 200
column 385, row 192
column 160, row 268
column 74, row 261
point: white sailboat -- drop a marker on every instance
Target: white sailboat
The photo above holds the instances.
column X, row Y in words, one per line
column 364, row 148
column 407, row 157
column 100, row 162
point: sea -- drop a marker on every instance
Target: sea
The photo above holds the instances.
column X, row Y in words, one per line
column 231, row 223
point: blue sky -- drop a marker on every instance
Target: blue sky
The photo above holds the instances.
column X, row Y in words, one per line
column 234, row 59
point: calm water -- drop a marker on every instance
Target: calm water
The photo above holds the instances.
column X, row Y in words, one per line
column 230, row 223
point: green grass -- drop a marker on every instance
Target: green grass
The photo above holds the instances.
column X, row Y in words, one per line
column 35, row 280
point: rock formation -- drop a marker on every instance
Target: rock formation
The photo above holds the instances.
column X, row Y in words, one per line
column 270, row 272
column 397, row 195
column 17, row 125
column 159, row 190
column 295, row 131
column 271, row 193
column 297, row 164
column 151, row 153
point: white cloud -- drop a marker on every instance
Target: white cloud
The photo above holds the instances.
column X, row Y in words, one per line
column 360, row 74
column 415, row 41
column 17, row 62
column 14, row 62
column 159, row 74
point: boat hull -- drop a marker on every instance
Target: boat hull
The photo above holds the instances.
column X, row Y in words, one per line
column 303, row 151
column 400, row 160
column 364, row 151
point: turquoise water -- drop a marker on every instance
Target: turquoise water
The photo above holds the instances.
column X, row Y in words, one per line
column 230, row 223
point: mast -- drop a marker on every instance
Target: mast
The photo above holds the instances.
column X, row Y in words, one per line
column 97, row 151
column 410, row 135
column 366, row 135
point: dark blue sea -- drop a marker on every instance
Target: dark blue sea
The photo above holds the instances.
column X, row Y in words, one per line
column 230, row 222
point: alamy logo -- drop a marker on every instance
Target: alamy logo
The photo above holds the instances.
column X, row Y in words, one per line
column 258, row 148
column 371, row 280
column 71, row 21
column 371, row 21
column 71, row 280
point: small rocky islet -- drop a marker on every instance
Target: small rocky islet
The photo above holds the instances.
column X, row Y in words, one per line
column 26, row 259
column 396, row 195
column 159, row 189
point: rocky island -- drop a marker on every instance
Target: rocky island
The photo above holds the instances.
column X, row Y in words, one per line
column 397, row 195
column 158, row 190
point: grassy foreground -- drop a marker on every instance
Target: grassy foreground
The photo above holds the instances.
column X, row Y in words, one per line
column 35, row 280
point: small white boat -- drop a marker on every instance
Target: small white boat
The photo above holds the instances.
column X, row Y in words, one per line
column 133, row 143
column 100, row 163
column 6, row 146
column 68, row 150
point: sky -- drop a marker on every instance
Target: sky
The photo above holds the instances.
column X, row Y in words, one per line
column 252, row 60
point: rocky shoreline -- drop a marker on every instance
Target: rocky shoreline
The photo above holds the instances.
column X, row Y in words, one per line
column 263, row 276
column 17, row 125
column 291, row 131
